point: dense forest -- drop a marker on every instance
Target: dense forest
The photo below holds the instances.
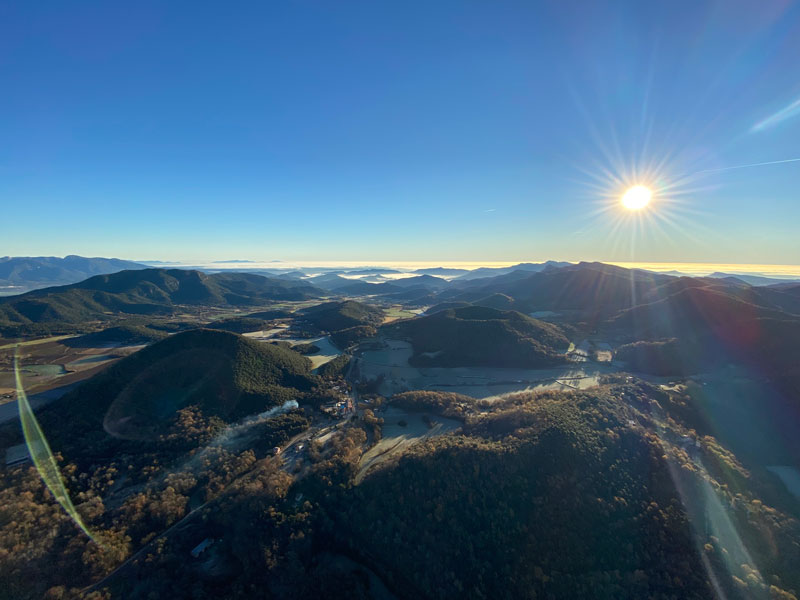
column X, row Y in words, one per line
column 594, row 494
column 239, row 324
column 123, row 333
column 346, row 338
column 481, row 336
column 335, row 316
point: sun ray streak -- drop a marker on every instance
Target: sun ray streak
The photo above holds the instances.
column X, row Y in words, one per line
column 761, row 164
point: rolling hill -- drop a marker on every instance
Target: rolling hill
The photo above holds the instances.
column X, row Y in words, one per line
column 707, row 326
column 221, row 374
column 414, row 286
column 239, row 324
column 334, row 316
column 364, row 288
column 446, row 305
column 126, row 334
column 424, row 281
column 480, row 336
column 146, row 292
column 331, row 281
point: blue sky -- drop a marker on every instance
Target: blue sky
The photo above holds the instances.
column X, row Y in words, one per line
column 442, row 131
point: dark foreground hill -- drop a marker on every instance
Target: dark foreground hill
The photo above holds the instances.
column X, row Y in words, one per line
column 616, row 492
column 481, row 336
column 146, row 292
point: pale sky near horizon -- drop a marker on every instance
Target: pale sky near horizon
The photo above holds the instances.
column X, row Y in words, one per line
column 360, row 131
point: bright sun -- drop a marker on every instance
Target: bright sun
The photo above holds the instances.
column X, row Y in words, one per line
column 637, row 197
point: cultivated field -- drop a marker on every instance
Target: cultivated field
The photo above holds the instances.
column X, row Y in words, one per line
column 390, row 361
column 400, row 430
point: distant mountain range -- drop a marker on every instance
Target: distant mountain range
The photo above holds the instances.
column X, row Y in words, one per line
column 753, row 279
column 223, row 262
column 714, row 319
column 533, row 267
column 23, row 273
column 442, row 271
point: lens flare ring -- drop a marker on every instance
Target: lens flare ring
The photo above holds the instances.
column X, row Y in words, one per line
column 42, row 456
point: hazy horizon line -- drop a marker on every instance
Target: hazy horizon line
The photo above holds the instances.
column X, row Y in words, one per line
column 691, row 268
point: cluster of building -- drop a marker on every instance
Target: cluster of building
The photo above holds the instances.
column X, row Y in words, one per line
column 340, row 409
column 343, row 406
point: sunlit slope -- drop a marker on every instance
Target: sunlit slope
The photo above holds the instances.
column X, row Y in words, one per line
column 481, row 336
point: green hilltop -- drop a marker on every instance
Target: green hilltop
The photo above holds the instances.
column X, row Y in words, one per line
column 221, row 374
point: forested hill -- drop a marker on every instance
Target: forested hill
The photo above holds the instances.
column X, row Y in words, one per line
column 601, row 291
column 222, row 375
column 699, row 327
column 146, row 291
column 595, row 288
column 481, row 336
column 576, row 495
column 603, row 493
column 334, row 316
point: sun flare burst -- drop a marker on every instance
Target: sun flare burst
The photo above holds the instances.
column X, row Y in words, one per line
column 640, row 199
column 637, row 197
